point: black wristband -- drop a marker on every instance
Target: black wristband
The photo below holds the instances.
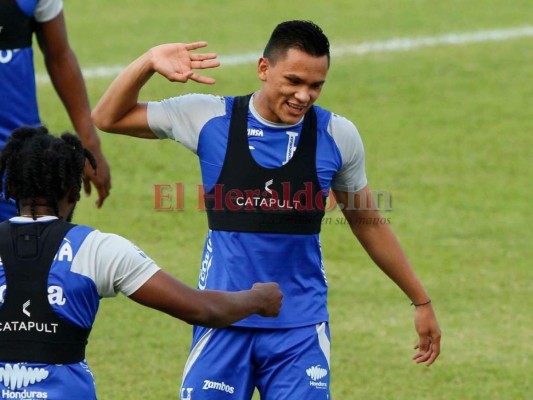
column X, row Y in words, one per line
column 421, row 304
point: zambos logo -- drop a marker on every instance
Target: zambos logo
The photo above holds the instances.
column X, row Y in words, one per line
column 218, row 386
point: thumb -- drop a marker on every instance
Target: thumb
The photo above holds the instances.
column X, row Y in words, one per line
column 180, row 76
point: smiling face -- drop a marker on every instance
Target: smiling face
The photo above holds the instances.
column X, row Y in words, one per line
column 291, row 85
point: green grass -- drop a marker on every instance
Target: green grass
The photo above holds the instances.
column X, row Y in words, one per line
column 447, row 130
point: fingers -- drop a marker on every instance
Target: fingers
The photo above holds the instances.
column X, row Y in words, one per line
column 203, row 56
column 101, row 182
column 195, row 45
column 102, row 189
column 178, row 63
column 202, row 79
column 429, row 350
column 201, row 60
column 103, row 193
column 435, row 348
column 180, row 76
column 185, row 76
column 272, row 298
column 86, row 185
column 427, row 357
column 276, row 297
column 204, row 64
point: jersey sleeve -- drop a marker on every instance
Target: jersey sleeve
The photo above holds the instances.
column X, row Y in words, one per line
column 352, row 175
column 182, row 118
column 47, row 10
column 114, row 263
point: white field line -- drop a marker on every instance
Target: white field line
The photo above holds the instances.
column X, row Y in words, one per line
column 385, row 46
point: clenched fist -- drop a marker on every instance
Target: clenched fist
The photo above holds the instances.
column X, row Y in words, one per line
column 269, row 298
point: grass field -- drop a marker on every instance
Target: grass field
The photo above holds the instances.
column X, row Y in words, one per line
column 448, row 131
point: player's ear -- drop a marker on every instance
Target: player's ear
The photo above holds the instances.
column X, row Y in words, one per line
column 262, row 68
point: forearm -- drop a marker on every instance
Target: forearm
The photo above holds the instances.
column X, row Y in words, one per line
column 118, row 110
column 382, row 245
column 385, row 250
column 225, row 308
column 205, row 307
column 68, row 82
column 379, row 241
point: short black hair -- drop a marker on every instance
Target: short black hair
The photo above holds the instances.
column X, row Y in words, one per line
column 35, row 164
column 297, row 34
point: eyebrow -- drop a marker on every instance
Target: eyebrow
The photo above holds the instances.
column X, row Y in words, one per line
column 298, row 78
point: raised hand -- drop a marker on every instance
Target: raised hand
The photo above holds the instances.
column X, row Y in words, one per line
column 177, row 63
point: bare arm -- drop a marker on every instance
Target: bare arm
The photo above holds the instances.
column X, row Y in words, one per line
column 65, row 73
column 210, row 308
column 383, row 247
column 119, row 109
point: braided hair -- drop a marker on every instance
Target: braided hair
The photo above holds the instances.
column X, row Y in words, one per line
column 37, row 167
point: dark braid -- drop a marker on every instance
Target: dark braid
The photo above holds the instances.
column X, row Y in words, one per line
column 38, row 167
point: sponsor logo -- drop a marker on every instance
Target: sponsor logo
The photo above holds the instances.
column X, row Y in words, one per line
column 186, row 394
column 21, row 326
column 291, row 148
column 218, row 386
column 316, row 373
column 255, row 132
column 267, row 185
column 268, row 199
column 25, row 308
column 206, row 264
column 17, row 376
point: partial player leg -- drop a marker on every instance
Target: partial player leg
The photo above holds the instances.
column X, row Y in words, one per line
column 294, row 363
column 219, row 365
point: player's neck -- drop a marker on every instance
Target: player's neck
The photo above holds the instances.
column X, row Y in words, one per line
column 38, row 211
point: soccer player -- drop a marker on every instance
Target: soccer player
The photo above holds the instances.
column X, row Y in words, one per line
column 19, row 21
column 268, row 160
column 53, row 274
